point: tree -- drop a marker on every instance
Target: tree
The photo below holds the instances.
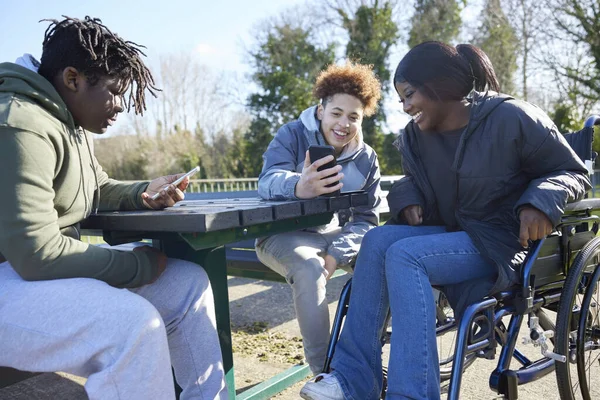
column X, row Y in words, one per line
column 192, row 94
column 228, row 152
column 236, row 155
column 195, row 108
column 285, row 63
column 371, row 34
column 566, row 117
column 124, row 157
column 390, row 156
column 527, row 18
column 576, row 100
column 498, row 39
column 436, row 20
column 578, row 23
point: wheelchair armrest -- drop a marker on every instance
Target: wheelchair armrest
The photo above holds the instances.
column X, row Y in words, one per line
column 584, row 205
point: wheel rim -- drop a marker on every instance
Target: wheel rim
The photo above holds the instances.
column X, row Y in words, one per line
column 588, row 335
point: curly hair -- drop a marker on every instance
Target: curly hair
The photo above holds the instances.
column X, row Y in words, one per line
column 95, row 51
column 352, row 78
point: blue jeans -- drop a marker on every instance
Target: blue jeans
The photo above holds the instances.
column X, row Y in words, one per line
column 396, row 266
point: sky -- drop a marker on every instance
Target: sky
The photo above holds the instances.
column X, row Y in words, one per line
column 213, row 32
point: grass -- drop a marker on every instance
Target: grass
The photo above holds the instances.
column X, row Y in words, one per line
column 257, row 341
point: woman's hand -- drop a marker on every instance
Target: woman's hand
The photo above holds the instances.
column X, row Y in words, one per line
column 313, row 183
column 413, row 214
column 534, row 225
column 169, row 194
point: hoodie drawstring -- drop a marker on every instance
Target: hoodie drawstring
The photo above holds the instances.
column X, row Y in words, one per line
column 96, row 200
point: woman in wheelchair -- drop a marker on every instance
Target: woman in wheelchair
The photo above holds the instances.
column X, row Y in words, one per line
column 484, row 175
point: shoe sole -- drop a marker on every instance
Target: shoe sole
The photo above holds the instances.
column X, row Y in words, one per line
column 309, row 396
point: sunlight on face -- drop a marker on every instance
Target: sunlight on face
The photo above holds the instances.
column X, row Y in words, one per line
column 341, row 119
column 419, row 107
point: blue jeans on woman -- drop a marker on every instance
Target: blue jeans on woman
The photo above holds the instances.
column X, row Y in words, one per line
column 396, row 266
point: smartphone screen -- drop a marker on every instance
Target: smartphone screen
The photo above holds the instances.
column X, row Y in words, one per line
column 316, row 153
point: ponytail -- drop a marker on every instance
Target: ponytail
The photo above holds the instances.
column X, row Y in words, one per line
column 484, row 76
column 445, row 72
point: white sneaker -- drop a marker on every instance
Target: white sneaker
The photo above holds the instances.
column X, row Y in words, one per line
column 323, row 387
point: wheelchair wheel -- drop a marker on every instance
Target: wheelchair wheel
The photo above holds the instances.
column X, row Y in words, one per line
column 578, row 327
column 446, row 328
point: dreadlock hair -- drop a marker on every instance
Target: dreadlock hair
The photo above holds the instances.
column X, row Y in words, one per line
column 91, row 48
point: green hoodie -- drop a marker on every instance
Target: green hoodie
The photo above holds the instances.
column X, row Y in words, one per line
column 49, row 175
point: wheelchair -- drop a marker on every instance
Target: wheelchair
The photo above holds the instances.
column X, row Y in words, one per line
column 558, row 293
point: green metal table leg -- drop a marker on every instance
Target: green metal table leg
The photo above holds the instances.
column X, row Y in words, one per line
column 213, row 262
column 216, row 268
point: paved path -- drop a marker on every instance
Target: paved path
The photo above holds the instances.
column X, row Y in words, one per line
column 277, row 309
column 259, row 303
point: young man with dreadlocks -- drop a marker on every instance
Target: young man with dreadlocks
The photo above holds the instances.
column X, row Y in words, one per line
column 119, row 318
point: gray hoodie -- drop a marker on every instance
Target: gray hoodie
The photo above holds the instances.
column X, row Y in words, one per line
column 283, row 163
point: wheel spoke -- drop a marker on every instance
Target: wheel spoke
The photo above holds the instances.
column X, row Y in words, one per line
column 577, row 327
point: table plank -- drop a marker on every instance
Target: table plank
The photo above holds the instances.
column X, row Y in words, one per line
column 211, row 215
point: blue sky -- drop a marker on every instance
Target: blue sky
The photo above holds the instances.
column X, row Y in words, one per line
column 213, row 32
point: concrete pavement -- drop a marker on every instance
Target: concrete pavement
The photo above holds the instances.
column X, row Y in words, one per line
column 262, row 315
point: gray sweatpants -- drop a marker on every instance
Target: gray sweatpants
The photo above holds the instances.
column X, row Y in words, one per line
column 123, row 340
column 298, row 257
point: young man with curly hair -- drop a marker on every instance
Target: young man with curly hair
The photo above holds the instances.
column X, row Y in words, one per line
column 119, row 318
column 307, row 258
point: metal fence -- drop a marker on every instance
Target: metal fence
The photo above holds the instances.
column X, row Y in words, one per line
column 233, row 185
column 222, row 185
column 238, row 184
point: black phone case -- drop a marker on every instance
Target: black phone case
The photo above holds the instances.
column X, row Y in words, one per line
column 316, row 153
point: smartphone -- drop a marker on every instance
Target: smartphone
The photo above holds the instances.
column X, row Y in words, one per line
column 315, row 153
column 178, row 181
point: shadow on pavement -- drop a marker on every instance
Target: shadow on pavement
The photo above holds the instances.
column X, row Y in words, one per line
column 48, row 386
column 270, row 302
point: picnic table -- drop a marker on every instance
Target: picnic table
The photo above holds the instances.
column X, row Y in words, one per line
column 197, row 230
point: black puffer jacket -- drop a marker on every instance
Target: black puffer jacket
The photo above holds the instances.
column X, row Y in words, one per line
column 510, row 155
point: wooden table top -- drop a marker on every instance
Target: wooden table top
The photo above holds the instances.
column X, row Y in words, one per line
column 206, row 215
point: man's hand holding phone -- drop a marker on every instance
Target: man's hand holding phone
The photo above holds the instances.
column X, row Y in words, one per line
column 315, row 183
column 167, row 190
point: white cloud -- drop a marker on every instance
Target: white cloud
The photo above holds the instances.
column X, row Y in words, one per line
column 204, row 48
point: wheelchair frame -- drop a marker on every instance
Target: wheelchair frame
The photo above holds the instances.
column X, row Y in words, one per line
column 543, row 274
column 543, row 264
column 547, row 261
